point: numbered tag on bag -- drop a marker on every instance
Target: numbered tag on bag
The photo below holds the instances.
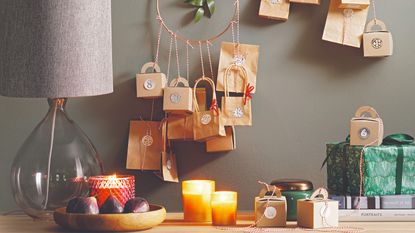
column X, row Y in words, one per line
column 377, row 42
column 150, row 85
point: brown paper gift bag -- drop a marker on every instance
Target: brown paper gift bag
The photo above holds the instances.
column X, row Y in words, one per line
column 345, row 26
column 207, row 124
column 144, row 145
column 275, row 9
column 178, row 100
column 354, row 4
column 150, row 85
column 248, row 58
column 180, row 127
column 314, row 2
column 168, row 171
column 237, row 110
column 223, row 144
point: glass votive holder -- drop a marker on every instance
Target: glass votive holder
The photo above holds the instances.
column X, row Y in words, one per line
column 121, row 187
column 197, row 196
column 224, row 208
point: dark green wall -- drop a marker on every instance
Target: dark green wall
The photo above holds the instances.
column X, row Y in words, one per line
column 307, row 88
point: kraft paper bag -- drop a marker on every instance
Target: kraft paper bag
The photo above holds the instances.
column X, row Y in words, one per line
column 223, row 144
column 150, row 85
column 178, row 100
column 366, row 128
column 354, row 4
column 242, row 55
column 377, row 43
column 314, row 2
column 275, row 9
column 207, row 124
column 345, row 26
column 270, row 208
column 168, row 170
column 144, row 145
column 237, row 110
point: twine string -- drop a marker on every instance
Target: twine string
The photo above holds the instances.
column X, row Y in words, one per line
column 177, row 56
column 156, row 60
column 374, row 12
column 187, row 59
column 208, row 45
column 169, row 58
column 201, row 60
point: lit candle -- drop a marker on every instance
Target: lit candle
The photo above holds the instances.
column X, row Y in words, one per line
column 197, row 196
column 224, row 206
column 120, row 187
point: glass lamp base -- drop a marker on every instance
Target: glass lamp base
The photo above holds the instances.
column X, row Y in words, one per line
column 53, row 165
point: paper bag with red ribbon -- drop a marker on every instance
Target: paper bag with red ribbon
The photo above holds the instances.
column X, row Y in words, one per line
column 168, row 171
column 207, row 124
column 144, row 145
column 242, row 55
column 223, row 144
column 345, row 26
column 237, row 110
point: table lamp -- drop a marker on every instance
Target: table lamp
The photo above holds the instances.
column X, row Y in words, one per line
column 55, row 50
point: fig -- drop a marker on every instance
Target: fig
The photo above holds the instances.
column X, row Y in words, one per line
column 83, row 205
column 136, row 205
column 111, row 206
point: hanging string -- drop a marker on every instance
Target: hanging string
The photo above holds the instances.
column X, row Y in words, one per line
column 192, row 41
column 177, row 56
column 156, row 60
column 208, row 44
column 187, row 60
column 374, row 12
column 169, row 59
column 201, row 60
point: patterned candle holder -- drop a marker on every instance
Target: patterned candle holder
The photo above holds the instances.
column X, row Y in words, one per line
column 120, row 187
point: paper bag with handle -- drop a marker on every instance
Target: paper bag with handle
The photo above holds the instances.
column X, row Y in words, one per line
column 168, row 171
column 223, row 144
column 178, row 100
column 377, row 43
column 366, row 127
column 144, row 145
column 242, row 55
column 274, row 9
column 150, row 85
column 237, row 110
column 207, row 124
column 270, row 207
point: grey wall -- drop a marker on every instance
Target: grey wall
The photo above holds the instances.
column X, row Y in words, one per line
column 308, row 90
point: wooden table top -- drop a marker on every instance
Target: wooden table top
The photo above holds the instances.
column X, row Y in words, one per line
column 175, row 224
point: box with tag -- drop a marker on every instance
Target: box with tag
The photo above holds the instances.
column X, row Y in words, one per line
column 178, row 100
column 150, row 85
column 318, row 211
column 314, row 2
column 345, row 26
column 366, row 128
column 377, row 43
column 270, row 208
column 275, row 9
column 354, row 4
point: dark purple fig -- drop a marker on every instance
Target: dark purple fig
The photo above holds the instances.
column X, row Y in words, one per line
column 83, row 205
column 111, row 206
column 136, row 205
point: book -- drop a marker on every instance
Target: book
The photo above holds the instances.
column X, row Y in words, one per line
column 377, row 215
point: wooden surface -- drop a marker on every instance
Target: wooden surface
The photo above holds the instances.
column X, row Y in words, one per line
column 174, row 224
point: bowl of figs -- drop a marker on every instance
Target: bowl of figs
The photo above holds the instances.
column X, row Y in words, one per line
column 84, row 214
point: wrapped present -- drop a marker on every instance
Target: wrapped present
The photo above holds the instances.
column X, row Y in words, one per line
column 345, row 26
column 318, row 211
column 387, row 169
column 354, row 4
column 274, row 9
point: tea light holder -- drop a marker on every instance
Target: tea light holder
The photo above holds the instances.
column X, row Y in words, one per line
column 197, row 196
column 224, row 207
column 121, row 187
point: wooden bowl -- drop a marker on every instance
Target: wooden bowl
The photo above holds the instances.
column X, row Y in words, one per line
column 111, row 222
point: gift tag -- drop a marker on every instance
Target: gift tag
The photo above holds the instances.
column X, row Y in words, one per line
column 270, row 212
column 175, row 98
column 206, row 119
column 325, row 211
column 238, row 112
column 147, row 140
column 364, row 133
column 149, row 84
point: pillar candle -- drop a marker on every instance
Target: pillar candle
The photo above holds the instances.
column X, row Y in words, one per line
column 197, row 200
column 224, row 206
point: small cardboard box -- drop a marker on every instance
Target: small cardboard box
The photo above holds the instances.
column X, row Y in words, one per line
column 270, row 210
column 366, row 128
column 178, row 100
column 354, row 4
column 150, row 85
column 316, row 212
column 275, row 9
column 377, row 43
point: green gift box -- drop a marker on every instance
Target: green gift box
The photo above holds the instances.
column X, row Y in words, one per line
column 388, row 169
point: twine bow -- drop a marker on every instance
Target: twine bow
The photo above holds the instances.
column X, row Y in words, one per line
column 248, row 93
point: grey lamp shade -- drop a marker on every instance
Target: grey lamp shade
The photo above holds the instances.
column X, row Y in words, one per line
column 55, row 48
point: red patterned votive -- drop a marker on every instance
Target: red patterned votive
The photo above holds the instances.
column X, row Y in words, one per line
column 121, row 187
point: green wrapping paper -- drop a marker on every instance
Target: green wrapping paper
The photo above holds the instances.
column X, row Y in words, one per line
column 388, row 169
